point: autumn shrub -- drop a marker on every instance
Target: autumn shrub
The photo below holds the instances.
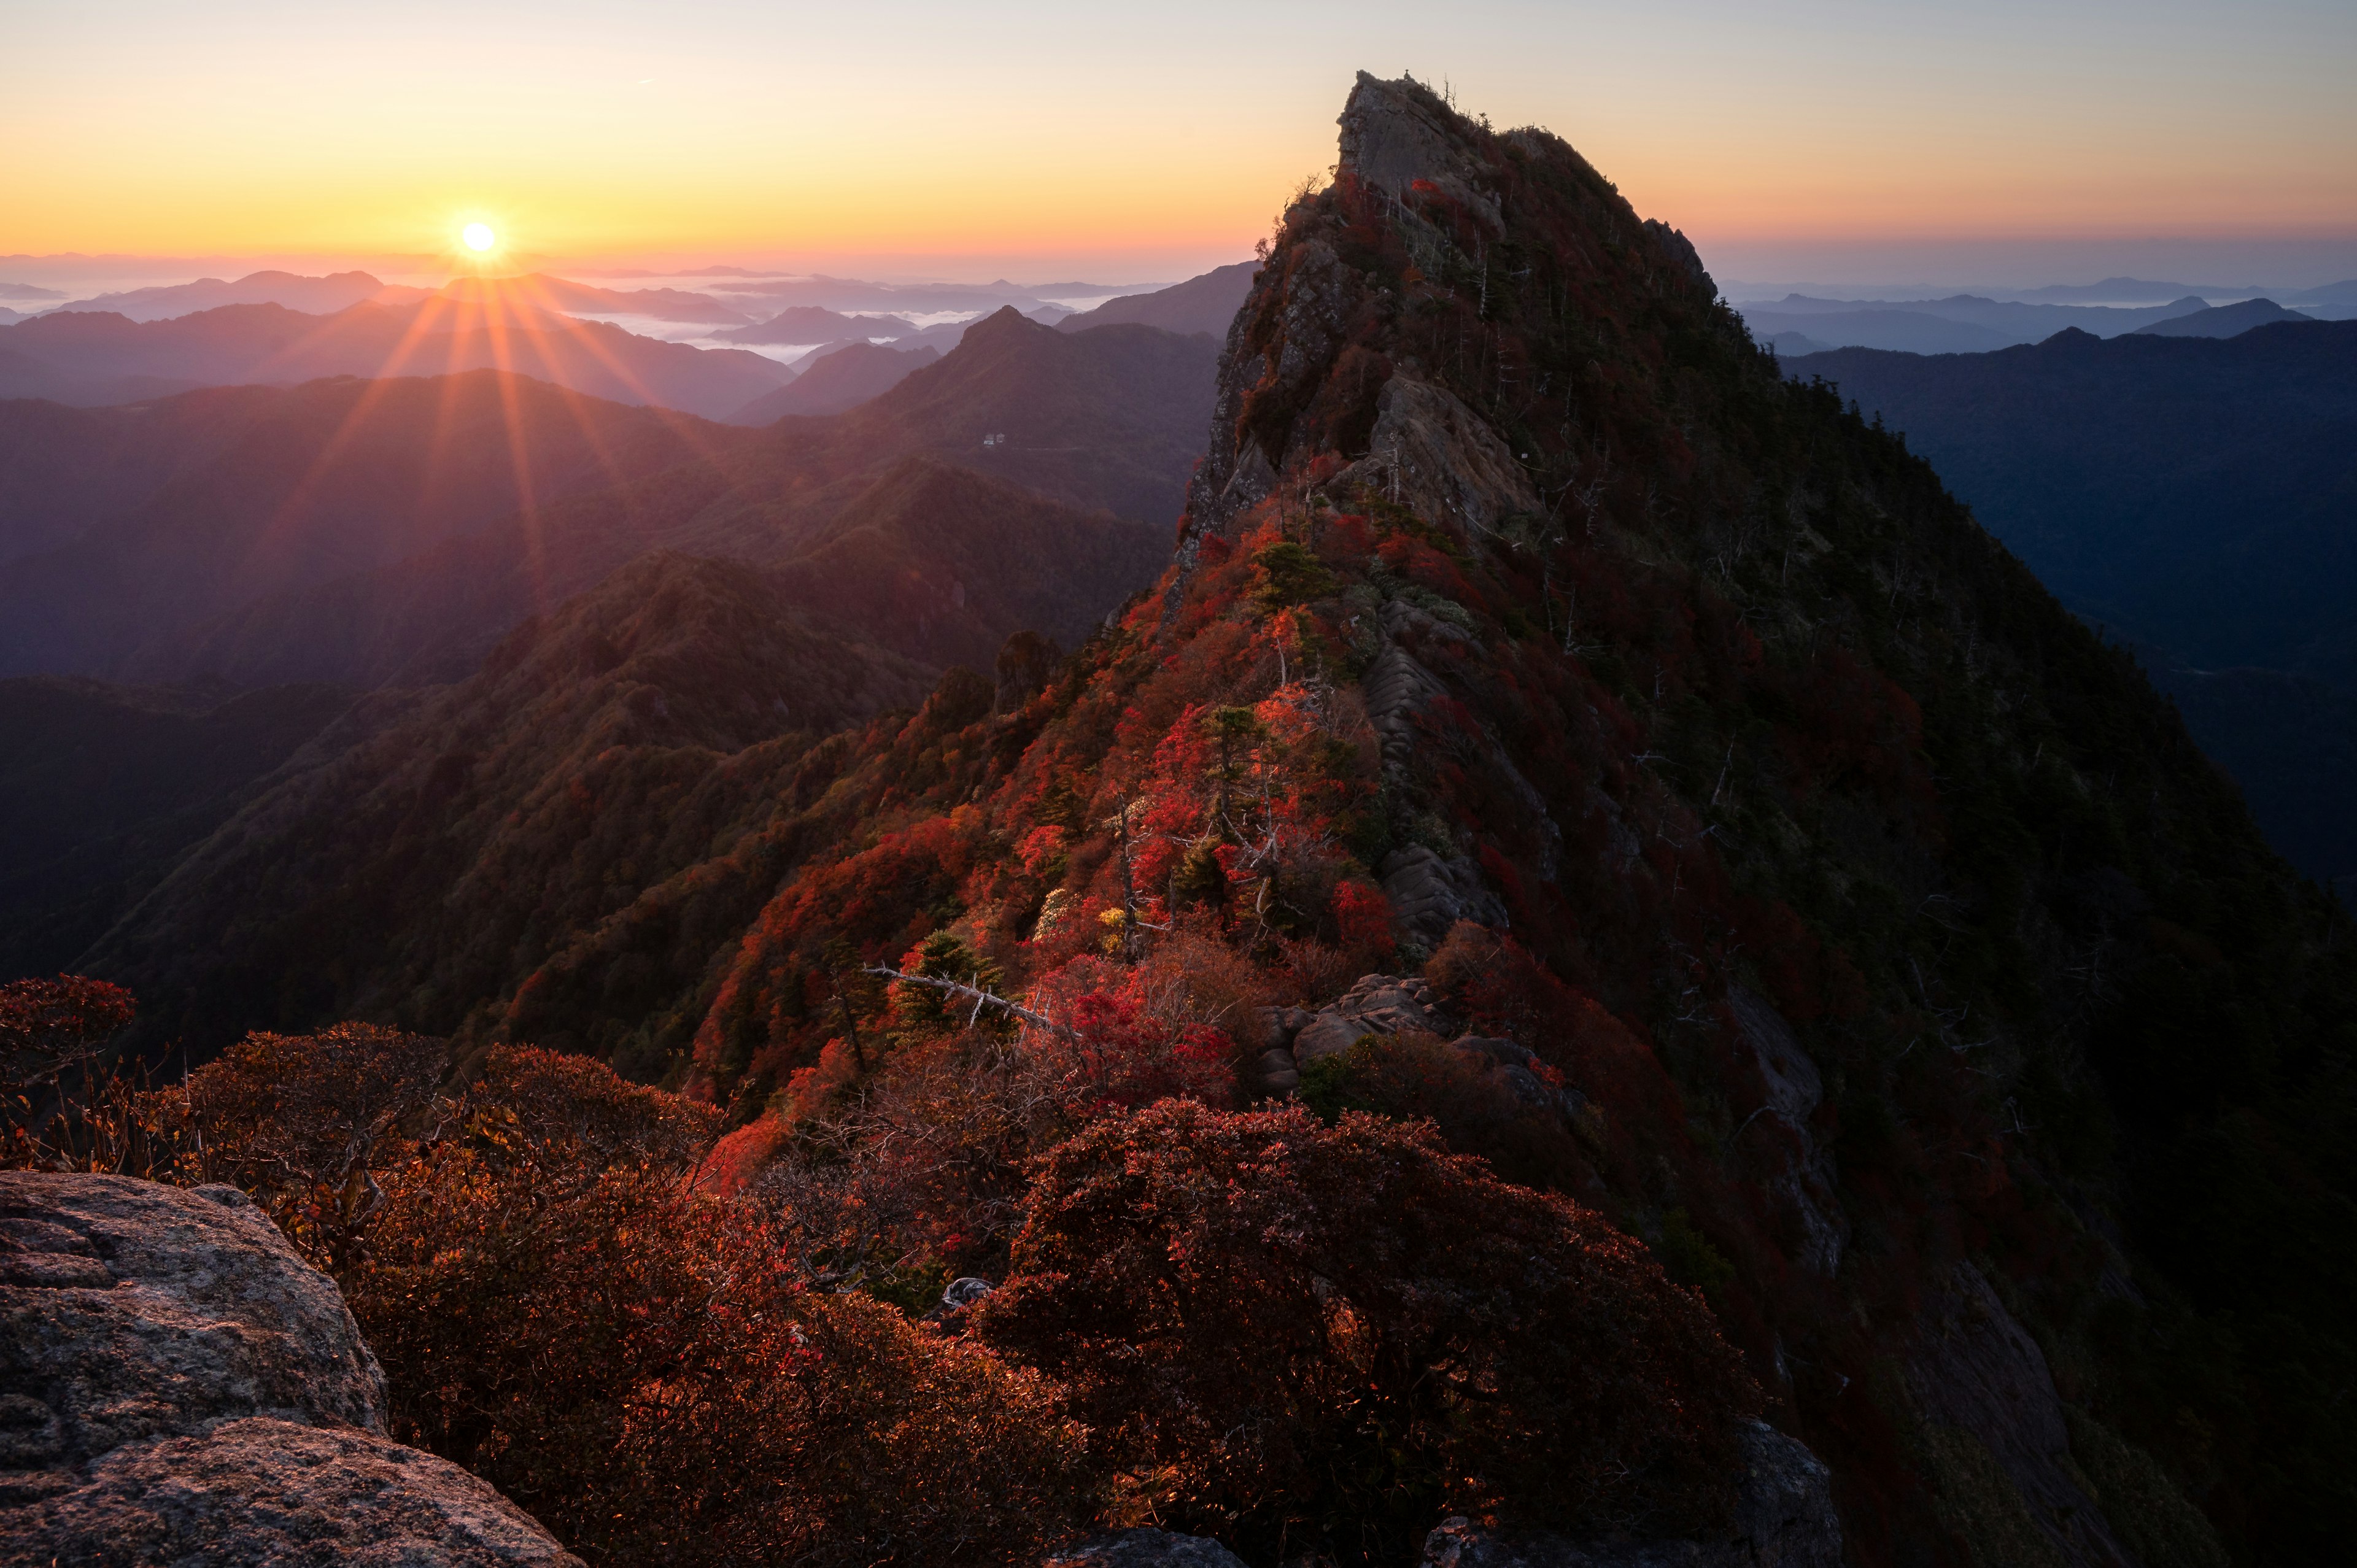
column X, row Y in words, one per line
column 1522, row 1130
column 66, row 1103
column 640, row 1367
column 306, row 1124
column 558, row 1098
column 1310, row 1337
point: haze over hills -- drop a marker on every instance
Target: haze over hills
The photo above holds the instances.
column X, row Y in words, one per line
column 1903, row 979
column 1106, row 422
column 99, row 357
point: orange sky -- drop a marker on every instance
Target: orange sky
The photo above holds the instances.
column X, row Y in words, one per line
column 1148, row 143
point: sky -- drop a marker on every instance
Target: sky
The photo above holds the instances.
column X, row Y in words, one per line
column 1998, row 143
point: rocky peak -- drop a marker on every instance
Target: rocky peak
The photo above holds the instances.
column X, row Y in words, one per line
column 1396, row 134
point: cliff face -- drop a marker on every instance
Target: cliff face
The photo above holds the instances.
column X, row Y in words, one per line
column 175, row 1385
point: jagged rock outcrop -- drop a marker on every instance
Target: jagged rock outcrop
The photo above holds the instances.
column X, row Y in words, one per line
column 1805, row 1184
column 1292, row 1037
column 1146, row 1549
column 1979, row 1379
column 177, row 1386
column 1432, row 454
column 1785, row 1517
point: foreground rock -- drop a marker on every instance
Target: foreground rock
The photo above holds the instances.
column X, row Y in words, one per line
column 1146, row 1549
column 1784, row 1519
column 263, row 1491
column 177, row 1386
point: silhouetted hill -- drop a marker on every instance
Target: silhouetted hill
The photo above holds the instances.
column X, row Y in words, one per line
column 1110, row 418
column 2223, row 320
column 102, row 787
column 270, row 344
column 814, row 324
column 836, row 380
column 1205, row 304
column 121, row 527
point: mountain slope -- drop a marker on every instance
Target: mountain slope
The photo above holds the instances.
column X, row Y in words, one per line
column 1105, row 421
column 630, row 734
column 1709, row 693
column 834, row 381
column 2193, row 493
column 160, row 517
column 1205, row 304
column 103, row 787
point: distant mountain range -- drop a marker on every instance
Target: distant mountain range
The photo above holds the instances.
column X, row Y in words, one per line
column 312, row 296
column 93, row 358
column 1972, row 324
column 816, row 324
column 2195, row 494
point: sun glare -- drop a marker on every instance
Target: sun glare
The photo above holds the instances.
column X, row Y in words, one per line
column 478, row 237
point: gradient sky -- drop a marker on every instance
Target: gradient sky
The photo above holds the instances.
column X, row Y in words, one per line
column 2004, row 140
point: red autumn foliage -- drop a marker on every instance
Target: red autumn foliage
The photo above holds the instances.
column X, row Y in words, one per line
column 1316, row 1339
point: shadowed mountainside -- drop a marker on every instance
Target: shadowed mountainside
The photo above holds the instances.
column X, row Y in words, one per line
column 119, row 528
column 647, row 722
column 2193, row 494
column 105, row 786
column 1107, row 422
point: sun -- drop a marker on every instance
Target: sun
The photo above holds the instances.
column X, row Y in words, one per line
column 478, row 237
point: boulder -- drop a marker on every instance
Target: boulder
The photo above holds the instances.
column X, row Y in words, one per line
column 129, row 1310
column 1146, row 1549
column 1785, row 1517
column 261, row 1491
column 176, row 1385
